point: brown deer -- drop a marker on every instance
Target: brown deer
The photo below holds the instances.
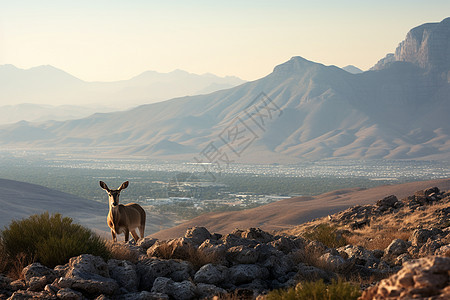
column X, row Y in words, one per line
column 124, row 218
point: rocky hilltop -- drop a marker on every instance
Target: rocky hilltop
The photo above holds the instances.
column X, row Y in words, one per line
column 412, row 260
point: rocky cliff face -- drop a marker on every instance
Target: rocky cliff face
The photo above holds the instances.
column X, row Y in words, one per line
column 426, row 46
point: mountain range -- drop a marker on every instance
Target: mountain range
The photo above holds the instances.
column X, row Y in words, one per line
column 302, row 110
column 48, row 86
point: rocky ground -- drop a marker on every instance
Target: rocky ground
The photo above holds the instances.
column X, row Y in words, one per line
column 395, row 249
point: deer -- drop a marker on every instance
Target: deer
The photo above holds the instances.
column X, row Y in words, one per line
column 124, row 218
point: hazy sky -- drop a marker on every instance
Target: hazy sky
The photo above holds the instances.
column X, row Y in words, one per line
column 105, row 40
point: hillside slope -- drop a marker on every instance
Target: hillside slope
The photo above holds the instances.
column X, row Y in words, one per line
column 290, row 212
column 19, row 200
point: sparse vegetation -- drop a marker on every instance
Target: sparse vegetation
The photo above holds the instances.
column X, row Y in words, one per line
column 318, row 290
column 50, row 240
column 327, row 235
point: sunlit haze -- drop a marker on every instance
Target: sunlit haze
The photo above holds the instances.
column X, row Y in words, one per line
column 114, row 40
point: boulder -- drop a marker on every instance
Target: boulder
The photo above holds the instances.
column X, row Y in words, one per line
column 124, row 273
column 387, row 202
column 332, row 262
column 38, row 270
column 150, row 269
column 241, row 274
column 197, row 235
column 242, row 255
column 207, row 291
column 420, row 236
column 184, row 290
column 69, row 294
column 146, row 243
column 359, row 255
column 211, row 274
column 87, row 266
column 396, row 247
column 37, row 283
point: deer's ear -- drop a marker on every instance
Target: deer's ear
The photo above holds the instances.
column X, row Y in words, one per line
column 104, row 186
column 124, row 185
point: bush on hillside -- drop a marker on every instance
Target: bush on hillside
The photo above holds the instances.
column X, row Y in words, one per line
column 318, row 290
column 50, row 240
column 327, row 235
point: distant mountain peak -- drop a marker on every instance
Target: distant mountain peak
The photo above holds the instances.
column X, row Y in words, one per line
column 295, row 64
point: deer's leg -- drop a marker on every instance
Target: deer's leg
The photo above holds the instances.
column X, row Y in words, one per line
column 127, row 234
column 114, row 237
column 141, row 231
column 134, row 234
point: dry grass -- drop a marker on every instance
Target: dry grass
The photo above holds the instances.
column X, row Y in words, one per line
column 121, row 251
column 373, row 238
column 307, row 256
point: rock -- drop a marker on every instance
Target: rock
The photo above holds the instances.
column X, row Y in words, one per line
column 37, row 283
column 124, row 273
column 38, row 270
column 197, row 235
column 180, row 248
column 87, row 266
column 146, row 243
column 279, row 266
column 90, row 287
column 241, row 274
column 387, row 202
column 420, row 236
column 242, row 255
column 332, row 262
column 211, row 274
column 432, row 190
column 150, row 269
column 213, row 248
column 69, row 294
column 4, row 281
column 287, row 245
column 21, row 295
column 311, row 273
column 18, row 284
column 257, row 234
column 402, row 258
column 360, row 255
column 180, row 270
column 418, row 279
column 207, row 291
column 184, row 290
column 429, row 248
column 396, row 247
column 443, row 251
column 144, row 295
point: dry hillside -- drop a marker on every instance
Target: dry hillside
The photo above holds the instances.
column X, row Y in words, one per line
column 295, row 211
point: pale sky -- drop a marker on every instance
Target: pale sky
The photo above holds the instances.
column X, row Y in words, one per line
column 107, row 40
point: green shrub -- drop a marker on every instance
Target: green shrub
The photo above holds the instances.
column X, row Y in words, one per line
column 50, row 240
column 327, row 235
column 318, row 290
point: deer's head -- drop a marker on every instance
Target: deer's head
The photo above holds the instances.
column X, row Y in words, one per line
column 113, row 194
